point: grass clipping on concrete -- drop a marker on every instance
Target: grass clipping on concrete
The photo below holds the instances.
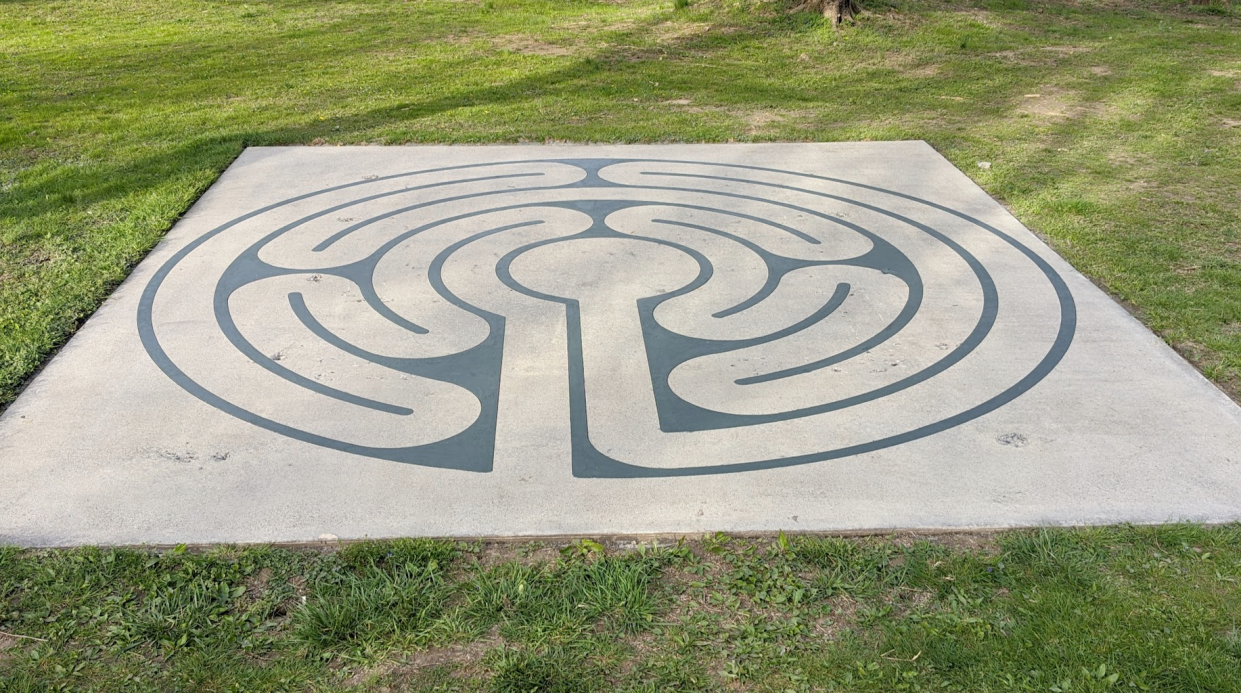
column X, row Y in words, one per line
column 1110, row 127
column 1150, row 609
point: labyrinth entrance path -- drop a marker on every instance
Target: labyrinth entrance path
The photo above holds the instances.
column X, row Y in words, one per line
column 544, row 340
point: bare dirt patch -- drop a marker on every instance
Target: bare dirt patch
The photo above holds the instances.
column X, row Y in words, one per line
column 463, row 658
column 675, row 31
column 1066, row 50
column 909, row 65
column 258, row 582
column 526, row 554
column 528, row 46
column 983, row 17
column 456, row 655
column 1044, row 55
column 1019, row 57
column 841, row 615
column 595, row 27
column 9, row 646
column 1053, row 104
column 758, row 121
column 981, row 542
column 643, row 645
column 922, row 71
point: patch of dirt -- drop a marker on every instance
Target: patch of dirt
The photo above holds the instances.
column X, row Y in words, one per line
column 298, row 583
column 256, row 584
column 674, row 31
column 530, row 554
column 369, row 674
column 983, row 17
column 919, row 599
column 906, row 600
column 841, row 616
column 37, row 256
column 981, row 542
column 1051, row 103
column 643, row 645
column 1101, row 70
column 1019, row 57
column 908, row 65
column 1197, row 353
column 923, row 71
column 9, row 646
column 1203, row 359
column 1044, row 55
column 1230, row 123
column 1066, row 50
column 528, row 46
column 757, row 121
column 1123, row 158
column 462, row 39
column 463, row 657
column 595, row 27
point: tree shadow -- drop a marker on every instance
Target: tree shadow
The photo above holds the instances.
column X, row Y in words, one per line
column 622, row 60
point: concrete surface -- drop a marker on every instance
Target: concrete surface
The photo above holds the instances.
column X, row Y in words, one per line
column 527, row 340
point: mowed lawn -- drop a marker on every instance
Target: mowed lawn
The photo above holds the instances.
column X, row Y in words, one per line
column 1112, row 128
column 1066, row 611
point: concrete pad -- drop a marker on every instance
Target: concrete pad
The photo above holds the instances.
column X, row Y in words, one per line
column 527, row 340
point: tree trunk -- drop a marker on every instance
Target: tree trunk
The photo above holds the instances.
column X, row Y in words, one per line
column 836, row 10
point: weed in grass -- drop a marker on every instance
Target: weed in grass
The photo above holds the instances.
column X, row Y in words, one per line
column 561, row 602
column 371, row 604
column 399, row 553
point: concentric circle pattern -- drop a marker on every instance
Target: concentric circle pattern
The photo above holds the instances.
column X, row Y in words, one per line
column 680, row 317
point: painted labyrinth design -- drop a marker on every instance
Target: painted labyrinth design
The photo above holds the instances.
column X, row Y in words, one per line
column 639, row 318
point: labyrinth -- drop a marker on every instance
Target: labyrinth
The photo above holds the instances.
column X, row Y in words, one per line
column 714, row 318
column 527, row 334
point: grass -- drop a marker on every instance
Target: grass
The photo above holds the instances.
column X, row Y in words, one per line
column 1111, row 126
column 1124, row 608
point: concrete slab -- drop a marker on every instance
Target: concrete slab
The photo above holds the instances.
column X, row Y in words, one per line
column 527, row 340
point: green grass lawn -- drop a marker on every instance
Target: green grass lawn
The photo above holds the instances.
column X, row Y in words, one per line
column 1113, row 128
column 1120, row 609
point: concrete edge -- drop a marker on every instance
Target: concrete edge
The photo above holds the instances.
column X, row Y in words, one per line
column 621, row 540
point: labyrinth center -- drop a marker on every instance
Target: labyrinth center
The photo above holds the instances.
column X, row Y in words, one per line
column 465, row 341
